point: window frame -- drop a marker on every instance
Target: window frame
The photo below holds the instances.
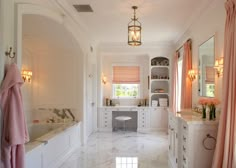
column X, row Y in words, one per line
column 139, row 84
column 124, row 97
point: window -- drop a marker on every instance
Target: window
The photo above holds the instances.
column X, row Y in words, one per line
column 126, row 81
column 125, row 90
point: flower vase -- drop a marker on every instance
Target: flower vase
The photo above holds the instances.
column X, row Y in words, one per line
column 204, row 112
column 211, row 113
column 214, row 112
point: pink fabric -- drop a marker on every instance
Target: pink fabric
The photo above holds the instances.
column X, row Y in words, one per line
column 14, row 130
column 210, row 74
column 225, row 156
column 174, row 86
column 186, row 91
column 126, row 74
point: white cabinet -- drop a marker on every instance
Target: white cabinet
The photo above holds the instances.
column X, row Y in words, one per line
column 191, row 141
column 198, row 143
column 105, row 118
column 143, row 118
column 158, row 118
column 149, row 118
column 173, row 141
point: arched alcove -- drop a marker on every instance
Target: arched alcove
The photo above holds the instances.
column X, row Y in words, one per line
column 55, row 58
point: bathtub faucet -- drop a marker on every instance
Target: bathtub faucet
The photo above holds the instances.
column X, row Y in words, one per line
column 70, row 112
column 60, row 113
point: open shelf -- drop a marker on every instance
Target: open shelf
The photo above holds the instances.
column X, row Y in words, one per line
column 160, row 61
column 159, row 80
column 160, row 73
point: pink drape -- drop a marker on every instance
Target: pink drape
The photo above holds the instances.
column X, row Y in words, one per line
column 225, row 156
column 186, row 91
column 174, row 86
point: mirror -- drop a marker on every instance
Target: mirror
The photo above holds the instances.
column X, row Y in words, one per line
column 206, row 79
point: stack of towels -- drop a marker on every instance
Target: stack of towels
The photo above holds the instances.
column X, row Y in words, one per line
column 154, row 103
column 163, row 102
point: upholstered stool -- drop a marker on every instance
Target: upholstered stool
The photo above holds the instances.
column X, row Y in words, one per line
column 123, row 119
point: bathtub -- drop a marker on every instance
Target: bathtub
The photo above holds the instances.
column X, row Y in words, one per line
column 51, row 143
column 40, row 129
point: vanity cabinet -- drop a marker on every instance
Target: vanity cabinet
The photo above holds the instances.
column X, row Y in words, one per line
column 148, row 118
column 191, row 141
column 173, row 140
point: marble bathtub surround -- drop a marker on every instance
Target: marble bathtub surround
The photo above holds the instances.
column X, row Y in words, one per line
column 33, row 143
column 110, row 150
column 53, row 115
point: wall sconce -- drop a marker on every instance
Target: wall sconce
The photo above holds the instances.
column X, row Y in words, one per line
column 26, row 75
column 219, row 66
column 104, row 80
column 191, row 74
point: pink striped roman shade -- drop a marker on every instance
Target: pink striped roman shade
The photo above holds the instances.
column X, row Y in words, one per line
column 210, row 74
column 126, row 75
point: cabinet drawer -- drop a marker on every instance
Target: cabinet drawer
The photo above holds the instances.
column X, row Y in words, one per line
column 185, row 161
column 185, row 140
column 184, row 149
column 185, row 127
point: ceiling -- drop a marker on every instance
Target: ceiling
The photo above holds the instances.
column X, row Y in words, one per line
column 162, row 20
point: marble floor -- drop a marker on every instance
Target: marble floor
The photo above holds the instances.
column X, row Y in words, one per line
column 121, row 150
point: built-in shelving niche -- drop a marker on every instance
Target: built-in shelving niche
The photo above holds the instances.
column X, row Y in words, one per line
column 160, row 73
column 157, row 96
column 159, row 83
column 160, row 87
column 160, row 61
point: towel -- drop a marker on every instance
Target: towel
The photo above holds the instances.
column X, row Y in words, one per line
column 14, row 130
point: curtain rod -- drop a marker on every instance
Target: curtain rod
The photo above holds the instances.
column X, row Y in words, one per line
column 189, row 40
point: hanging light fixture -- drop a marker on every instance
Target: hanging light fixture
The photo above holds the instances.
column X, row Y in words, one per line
column 134, row 30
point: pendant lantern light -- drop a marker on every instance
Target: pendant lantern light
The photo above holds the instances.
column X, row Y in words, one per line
column 134, row 30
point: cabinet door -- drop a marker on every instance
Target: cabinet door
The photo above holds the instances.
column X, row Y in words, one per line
column 155, row 118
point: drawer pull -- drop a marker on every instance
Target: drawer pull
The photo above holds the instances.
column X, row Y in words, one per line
column 184, row 127
column 208, row 136
column 184, row 159
column 184, row 149
column 184, row 138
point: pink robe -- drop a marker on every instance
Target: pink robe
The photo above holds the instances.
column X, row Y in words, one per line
column 14, row 130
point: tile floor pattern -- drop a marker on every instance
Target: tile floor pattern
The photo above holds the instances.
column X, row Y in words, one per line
column 121, row 150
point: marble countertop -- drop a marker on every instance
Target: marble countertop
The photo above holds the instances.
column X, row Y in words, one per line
column 192, row 117
column 130, row 107
column 47, row 137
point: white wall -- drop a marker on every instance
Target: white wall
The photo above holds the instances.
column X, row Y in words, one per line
column 210, row 22
column 142, row 61
column 53, row 55
column 116, row 53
